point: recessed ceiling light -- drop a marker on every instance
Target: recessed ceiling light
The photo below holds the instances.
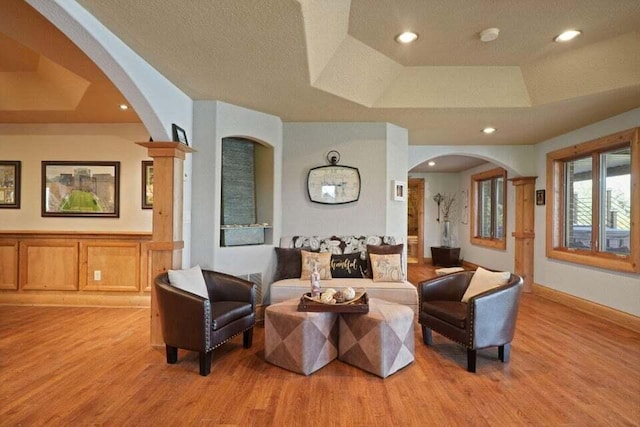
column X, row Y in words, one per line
column 431, row 163
column 489, row 130
column 567, row 35
column 124, row 107
column 489, row 35
column 406, row 37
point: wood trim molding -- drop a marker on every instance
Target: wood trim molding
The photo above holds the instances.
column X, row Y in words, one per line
column 51, row 298
column 600, row 311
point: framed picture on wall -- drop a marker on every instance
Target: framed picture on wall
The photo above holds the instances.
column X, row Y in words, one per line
column 9, row 184
column 179, row 135
column 80, row 189
column 540, row 196
column 147, row 184
column 399, row 191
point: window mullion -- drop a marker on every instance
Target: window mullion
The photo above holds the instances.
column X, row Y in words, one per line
column 595, row 202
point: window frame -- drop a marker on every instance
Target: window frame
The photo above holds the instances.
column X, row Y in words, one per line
column 555, row 212
column 490, row 242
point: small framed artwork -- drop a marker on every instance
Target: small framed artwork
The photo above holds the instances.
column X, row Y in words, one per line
column 399, row 191
column 147, row 184
column 540, row 197
column 80, row 189
column 9, row 184
column 179, row 135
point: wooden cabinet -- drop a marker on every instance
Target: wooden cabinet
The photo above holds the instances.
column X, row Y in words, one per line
column 76, row 268
column 445, row 256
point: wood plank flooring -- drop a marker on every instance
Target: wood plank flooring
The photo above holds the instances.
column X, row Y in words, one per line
column 94, row 366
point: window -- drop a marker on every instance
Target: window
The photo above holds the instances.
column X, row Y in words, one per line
column 592, row 188
column 489, row 209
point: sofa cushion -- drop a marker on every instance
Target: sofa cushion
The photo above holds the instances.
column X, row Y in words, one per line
column 452, row 312
column 382, row 250
column 386, row 268
column 289, row 263
column 484, row 280
column 398, row 292
column 322, row 260
column 348, row 265
column 190, row 280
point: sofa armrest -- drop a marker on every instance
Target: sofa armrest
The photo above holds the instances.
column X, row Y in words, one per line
column 225, row 287
column 185, row 318
column 446, row 288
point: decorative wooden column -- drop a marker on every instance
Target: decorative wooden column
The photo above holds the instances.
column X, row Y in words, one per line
column 167, row 244
column 525, row 228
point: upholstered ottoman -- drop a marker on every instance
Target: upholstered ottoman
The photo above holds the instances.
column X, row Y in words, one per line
column 381, row 341
column 301, row 342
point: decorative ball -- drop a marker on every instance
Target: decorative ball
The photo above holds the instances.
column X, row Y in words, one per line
column 330, row 291
column 349, row 293
column 339, row 296
column 327, row 298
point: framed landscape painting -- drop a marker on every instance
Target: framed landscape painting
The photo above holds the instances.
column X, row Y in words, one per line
column 9, row 184
column 84, row 189
column 147, row 184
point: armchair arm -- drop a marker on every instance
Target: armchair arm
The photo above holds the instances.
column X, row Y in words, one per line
column 494, row 314
column 185, row 317
column 224, row 287
column 446, row 288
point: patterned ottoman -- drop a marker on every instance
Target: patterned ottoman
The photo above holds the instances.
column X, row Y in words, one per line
column 301, row 342
column 380, row 342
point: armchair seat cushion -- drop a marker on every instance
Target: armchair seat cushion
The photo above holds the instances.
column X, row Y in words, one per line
column 225, row 312
column 452, row 312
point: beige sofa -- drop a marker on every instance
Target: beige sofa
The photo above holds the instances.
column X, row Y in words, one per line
column 399, row 292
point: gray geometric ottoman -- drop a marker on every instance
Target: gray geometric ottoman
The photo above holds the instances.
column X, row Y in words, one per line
column 301, row 342
column 381, row 341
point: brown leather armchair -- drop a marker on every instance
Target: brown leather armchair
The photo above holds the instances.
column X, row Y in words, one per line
column 486, row 320
column 190, row 322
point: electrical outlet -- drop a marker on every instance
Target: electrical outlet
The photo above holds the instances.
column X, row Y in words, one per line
column 97, row 275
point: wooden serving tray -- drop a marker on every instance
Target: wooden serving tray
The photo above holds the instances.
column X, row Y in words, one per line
column 361, row 305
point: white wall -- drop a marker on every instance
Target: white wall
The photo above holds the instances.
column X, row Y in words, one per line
column 397, row 156
column 33, row 143
column 613, row 289
column 214, row 121
column 361, row 145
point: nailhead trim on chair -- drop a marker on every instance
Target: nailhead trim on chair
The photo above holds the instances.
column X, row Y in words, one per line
column 207, row 325
column 231, row 337
column 472, row 311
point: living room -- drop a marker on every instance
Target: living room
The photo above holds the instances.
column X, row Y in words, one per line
column 383, row 152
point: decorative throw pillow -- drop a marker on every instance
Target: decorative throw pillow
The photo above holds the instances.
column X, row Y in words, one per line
column 382, row 250
column 321, row 259
column 484, row 280
column 289, row 263
column 190, row 280
column 347, row 266
column 386, row 268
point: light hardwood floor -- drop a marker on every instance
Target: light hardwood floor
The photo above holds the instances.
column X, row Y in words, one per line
column 94, row 366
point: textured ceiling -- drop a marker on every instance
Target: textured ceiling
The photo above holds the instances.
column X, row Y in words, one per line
column 335, row 61
column 313, row 60
column 45, row 78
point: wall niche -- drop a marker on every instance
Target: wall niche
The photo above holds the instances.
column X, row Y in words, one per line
column 247, row 193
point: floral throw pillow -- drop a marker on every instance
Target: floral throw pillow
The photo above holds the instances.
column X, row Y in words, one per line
column 386, row 268
column 321, row 259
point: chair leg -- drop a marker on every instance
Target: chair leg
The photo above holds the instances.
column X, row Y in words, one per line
column 504, row 352
column 172, row 354
column 471, row 360
column 247, row 338
column 426, row 335
column 205, row 363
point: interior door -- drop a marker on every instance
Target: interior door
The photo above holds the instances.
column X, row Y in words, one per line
column 415, row 221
